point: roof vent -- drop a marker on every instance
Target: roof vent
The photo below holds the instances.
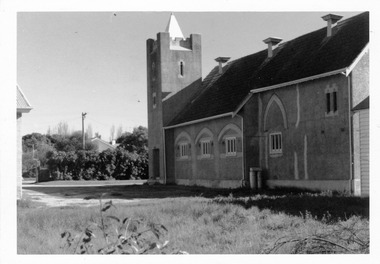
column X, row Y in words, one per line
column 222, row 60
column 271, row 42
column 331, row 20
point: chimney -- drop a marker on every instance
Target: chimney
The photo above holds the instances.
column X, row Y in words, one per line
column 271, row 42
column 222, row 60
column 331, row 20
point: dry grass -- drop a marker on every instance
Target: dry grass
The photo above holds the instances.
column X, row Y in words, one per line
column 253, row 224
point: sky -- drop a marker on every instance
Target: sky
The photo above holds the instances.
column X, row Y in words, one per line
column 95, row 62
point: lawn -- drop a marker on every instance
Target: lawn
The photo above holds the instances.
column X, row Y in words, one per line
column 207, row 221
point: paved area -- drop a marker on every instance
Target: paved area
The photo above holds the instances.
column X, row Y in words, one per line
column 58, row 194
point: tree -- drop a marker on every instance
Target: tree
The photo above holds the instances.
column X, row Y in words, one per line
column 135, row 141
column 35, row 147
column 112, row 132
column 31, row 141
column 119, row 132
column 72, row 142
column 89, row 131
column 63, row 128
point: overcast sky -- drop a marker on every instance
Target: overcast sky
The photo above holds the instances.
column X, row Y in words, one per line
column 95, row 62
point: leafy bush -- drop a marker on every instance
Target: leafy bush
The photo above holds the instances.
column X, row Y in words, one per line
column 113, row 235
column 117, row 164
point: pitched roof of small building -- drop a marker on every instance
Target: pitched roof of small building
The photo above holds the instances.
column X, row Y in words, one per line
column 362, row 105
column 23, row 104
column 103, row 143
column 308, row 55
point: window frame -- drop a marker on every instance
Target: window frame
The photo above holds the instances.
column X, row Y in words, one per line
column 231, row 148
column 154, row 99
column 203, row 143
column 279, row 146
column 183, row 150
column 181, row 69
column 331, row 99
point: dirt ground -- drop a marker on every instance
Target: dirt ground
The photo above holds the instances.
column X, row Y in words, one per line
column 70, row 193
column 57, row 194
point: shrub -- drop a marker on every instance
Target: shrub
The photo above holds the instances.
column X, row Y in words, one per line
column 113, row 235
column 91, row 165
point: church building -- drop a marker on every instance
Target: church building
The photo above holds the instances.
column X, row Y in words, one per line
column 297, row 112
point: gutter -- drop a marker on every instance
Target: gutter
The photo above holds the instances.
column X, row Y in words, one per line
column 24, row 110
column 350, row 138
column 200, row 120
column 164, row 154
column 358, row 58
column 276, row 86
column 240, row 106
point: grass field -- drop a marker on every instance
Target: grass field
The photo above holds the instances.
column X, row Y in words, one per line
column 233, row 222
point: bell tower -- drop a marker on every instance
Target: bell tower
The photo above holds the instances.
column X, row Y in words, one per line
column 174, row 63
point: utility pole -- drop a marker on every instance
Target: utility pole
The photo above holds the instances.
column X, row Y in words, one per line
column 83, row 117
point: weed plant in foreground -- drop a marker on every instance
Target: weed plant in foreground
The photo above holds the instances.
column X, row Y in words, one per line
column 256, row 224
column 118, row 236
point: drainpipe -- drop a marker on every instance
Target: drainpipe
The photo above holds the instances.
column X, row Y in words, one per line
column 243, row 149
column 164, row 153
column 350, row 133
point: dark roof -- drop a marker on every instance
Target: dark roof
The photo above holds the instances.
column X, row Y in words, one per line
column 362, row 105
column 308, row 55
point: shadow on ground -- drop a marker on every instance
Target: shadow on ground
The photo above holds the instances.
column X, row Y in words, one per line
column 289, row 201
column 330, row 208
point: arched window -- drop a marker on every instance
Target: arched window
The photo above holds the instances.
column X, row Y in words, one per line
column 230, row 140
column 204, row 140
column 183, row 143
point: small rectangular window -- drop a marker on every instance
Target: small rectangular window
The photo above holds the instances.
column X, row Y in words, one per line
column 331, row 102
column 154, row 100
column 231, row 146
column 183, row 150
column 181, row 68
column 328, row 104
column 275, row 143
column 335, row 102
column 205, row 148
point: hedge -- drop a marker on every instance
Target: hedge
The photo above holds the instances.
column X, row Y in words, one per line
column 90, row 165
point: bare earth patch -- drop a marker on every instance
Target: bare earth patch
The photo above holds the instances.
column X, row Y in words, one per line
column 54, row 201
column 67, row 194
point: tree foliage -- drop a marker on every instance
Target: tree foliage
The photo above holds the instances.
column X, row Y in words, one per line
column 116, row 164
column 71, row 143
column 35, row 146
column 65, row 158
column 135, row 141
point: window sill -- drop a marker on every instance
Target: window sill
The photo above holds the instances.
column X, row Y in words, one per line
column 331, row 113
column 225, row 156
column 275, row 155
column 205, row 157
column 187, row 158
